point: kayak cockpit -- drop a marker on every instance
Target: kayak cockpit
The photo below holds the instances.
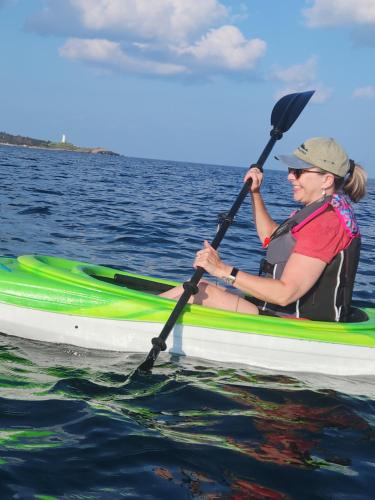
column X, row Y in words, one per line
column 135, row 283
column 140, row 284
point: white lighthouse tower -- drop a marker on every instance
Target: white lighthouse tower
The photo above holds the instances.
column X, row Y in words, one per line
column 63, row 139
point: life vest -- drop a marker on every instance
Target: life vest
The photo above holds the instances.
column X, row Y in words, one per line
column 329, row 299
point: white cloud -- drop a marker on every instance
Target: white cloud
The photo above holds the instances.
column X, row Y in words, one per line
column 299, row 74
column 164, row 19
column 367, row 92
column 340, row 12
column 226, row 47
column 169, row 37
column 322, row 93
column 110, row 55
column 302, row 77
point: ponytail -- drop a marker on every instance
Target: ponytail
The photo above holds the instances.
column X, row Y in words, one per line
column 354, row 185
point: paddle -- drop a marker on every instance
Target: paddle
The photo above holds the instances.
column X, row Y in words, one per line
column 284, row 114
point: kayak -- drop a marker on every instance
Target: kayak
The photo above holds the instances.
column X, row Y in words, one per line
column 57, row 300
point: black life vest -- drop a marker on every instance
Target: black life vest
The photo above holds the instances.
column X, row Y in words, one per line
column 329, row 299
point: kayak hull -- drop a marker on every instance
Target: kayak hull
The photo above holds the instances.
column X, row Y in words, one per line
column 29, row 310
column 292, row 355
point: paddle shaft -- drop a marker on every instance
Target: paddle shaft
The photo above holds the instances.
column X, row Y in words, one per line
column 284, row 114
column 191, row 287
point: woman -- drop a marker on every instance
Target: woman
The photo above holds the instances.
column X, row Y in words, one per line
column 312, row 257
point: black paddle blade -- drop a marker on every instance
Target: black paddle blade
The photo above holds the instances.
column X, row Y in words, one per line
column 149, row 362
column 288, row 108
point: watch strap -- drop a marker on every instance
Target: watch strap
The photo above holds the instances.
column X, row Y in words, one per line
column 229, row 280
column 234, row 272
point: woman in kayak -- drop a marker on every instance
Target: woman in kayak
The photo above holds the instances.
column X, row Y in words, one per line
column 312, row 257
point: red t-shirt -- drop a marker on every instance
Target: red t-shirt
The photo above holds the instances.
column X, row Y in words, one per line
column 323, row 237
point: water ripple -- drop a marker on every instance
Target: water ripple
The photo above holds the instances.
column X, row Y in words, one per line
column 76, row 423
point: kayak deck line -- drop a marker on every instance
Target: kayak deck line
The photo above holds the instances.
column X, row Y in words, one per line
column 59, row 300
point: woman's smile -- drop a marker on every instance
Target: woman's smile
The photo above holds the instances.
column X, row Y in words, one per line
column 306, row 188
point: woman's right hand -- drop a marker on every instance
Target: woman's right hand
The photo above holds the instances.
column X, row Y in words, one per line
column 256, row 175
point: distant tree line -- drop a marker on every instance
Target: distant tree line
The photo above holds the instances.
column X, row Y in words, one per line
column 19, row 140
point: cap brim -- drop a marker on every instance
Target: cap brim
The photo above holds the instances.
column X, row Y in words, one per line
column 294, row 162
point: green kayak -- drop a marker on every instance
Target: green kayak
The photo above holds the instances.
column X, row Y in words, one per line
column 63, row 301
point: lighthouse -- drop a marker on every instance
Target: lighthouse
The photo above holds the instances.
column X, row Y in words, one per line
column 63, row 139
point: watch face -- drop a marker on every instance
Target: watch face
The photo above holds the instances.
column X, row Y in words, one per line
column 229, row 280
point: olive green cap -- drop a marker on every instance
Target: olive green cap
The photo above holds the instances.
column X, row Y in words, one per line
column 321, row 152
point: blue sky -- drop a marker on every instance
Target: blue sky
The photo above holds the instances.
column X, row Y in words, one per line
column 189, row 80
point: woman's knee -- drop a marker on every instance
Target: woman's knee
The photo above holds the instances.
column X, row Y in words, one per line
column 215, row 296
column 244, row 306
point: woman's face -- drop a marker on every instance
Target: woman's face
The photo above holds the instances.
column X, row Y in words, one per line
column 307, row 184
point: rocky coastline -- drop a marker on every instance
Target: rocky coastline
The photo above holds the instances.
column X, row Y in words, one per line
column 28, row 142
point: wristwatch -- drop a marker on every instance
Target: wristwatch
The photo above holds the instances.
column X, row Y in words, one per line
column 229, row 280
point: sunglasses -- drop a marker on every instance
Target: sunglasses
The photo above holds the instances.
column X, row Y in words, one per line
column 297, row 172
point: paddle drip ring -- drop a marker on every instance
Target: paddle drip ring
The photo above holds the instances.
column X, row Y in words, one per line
column 276, row 133
column 191, row 287
column 159, row 343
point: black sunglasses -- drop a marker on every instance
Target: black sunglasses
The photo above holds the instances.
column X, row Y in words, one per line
column 297, row 172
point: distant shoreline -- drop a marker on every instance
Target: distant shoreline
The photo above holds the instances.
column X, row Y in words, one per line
column 28, row 142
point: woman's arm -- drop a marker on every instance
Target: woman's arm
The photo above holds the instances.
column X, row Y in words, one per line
column 300, row 274
column 264, row 223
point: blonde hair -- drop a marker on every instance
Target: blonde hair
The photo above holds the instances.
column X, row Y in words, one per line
column 354, row 185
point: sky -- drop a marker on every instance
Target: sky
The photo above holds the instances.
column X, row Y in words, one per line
column 188, row 80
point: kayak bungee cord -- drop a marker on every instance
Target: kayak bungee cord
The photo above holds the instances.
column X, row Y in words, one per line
column 284, row 114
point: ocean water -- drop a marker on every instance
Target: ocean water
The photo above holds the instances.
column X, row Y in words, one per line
column 73, row 425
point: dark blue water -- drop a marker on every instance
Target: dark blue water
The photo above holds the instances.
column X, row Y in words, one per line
column 74, row 426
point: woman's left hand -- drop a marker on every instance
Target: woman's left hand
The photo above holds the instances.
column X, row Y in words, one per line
column 256, row 176
column 209, row 259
